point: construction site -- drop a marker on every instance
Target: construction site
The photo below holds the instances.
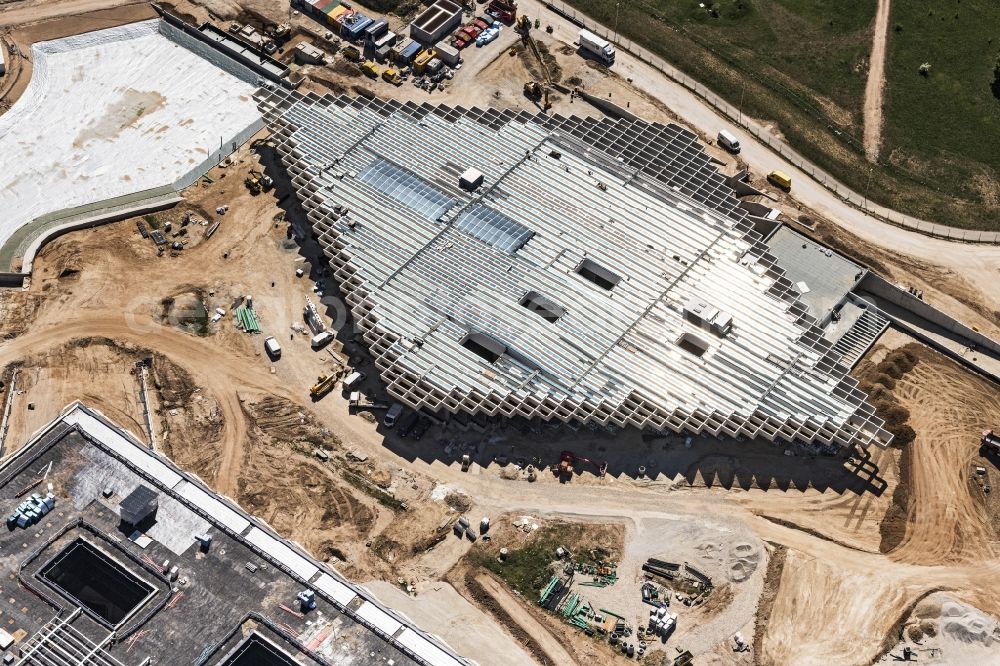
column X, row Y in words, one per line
column 453, row 349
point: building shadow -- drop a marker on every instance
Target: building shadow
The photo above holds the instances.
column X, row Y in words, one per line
column 705, row 462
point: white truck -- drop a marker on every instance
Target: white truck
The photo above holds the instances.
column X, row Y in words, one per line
column 596, row 46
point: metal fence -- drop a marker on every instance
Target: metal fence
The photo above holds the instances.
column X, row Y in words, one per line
column 734, row 115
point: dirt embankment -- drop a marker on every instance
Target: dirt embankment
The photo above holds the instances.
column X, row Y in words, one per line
column 472, row 588
column 772, row 581
column 879, row 380
column 282, row 482
column 190, row 421
column 17, row 312
column 939, row 515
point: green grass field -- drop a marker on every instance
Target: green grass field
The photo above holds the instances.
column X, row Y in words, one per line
column 803, row 65
column 945, row 127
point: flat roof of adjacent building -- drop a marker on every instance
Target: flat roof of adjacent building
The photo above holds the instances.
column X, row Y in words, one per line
column 559, row 287
column 435, row 16
column 822, row 277
column 237, row 586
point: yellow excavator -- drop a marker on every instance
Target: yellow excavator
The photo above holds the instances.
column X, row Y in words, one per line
column 256, row 181
column 534, row 90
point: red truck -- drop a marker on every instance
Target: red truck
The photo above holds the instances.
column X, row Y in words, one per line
column 504, row 10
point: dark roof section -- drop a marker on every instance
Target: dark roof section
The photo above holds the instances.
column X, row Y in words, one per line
column 139, row 499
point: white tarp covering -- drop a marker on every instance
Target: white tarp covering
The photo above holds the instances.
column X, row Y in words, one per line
column 282, row 553
column 338, row 591
column 111, row 113
column 114, row 439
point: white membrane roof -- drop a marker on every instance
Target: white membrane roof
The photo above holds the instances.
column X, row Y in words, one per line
column 112, row 113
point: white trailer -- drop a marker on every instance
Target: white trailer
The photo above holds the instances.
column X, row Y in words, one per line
column 596, row 46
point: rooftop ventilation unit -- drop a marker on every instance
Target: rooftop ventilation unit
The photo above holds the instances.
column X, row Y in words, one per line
column 709, row 317
column 140, row 504
column 471, row 179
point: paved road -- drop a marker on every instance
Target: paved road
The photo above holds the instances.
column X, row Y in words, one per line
column 980, row 264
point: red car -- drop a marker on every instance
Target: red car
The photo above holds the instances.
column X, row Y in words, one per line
column 460, row 43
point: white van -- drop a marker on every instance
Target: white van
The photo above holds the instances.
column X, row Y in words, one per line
column 322, row 340
column 392, row 415
column 272, row 347
column 354, row 379
column 729, row 142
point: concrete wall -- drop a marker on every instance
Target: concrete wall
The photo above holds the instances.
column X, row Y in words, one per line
column 883, row 289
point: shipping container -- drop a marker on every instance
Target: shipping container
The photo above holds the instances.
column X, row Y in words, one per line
column 408, row 53
column 354, row 26
column 376, row 29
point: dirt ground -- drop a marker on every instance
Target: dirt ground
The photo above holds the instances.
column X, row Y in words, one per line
column 875, row 86
column 820, row 591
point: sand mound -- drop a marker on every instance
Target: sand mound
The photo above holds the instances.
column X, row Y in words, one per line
column 966, row 624
column 743, row 560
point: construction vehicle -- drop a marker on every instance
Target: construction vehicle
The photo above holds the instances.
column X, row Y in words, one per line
column 358, row 400
column 598, row 47
column 370, row 69
column 567, row 465
column 324, row 384
column 990, row 442
column 390, row 75
column 256, row 181
column 534, row 90
column 352, row 53
column 424, row 57
column 504, row 10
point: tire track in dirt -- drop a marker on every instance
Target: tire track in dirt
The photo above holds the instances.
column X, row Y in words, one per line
column 875, row 87
column 227, row 371
column 949, row 408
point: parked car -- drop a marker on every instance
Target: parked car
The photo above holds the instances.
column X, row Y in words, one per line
column 392, row 415
column 354, row 379
column 780, row 179
column 488, row 36
column 729, row 142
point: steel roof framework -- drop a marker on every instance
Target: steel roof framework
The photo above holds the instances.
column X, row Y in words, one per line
column 639, row 200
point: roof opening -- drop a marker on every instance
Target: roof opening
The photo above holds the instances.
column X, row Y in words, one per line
column 598, row 274
column 546, row 309
column 692, row 344
column 484, row 346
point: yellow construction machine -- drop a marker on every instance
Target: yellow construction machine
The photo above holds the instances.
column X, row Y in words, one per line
column 534, row 90
column 324, row 384
column 256, row 181
column 390, row 75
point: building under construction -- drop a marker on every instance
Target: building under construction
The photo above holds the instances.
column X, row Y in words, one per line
column 588, row 270
column 115, row 557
